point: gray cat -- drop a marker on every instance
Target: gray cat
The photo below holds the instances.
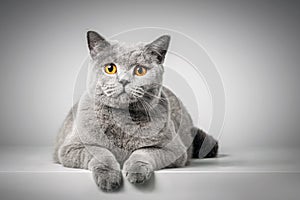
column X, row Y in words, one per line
column 126, row 120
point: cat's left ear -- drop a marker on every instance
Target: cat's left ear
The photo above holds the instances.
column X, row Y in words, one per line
column 96, row 43
column 159, row 47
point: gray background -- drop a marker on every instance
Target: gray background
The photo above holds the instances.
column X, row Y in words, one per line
column 255, row 45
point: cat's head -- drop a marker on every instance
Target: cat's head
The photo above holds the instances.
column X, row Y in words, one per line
column 121, row 74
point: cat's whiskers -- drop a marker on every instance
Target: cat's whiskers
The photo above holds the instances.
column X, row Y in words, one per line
column 137, row 92
column 151, row 108
column 147, row 110
column 109, row 89
column 109, row 85
column 139, row 89
column 156, row 96
column 109, row 92
column 145, row 107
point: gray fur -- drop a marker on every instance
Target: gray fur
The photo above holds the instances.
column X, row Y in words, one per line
column 125, row 122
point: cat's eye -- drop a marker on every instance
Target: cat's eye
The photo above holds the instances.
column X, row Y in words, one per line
column 110, row 68
column 140, row 71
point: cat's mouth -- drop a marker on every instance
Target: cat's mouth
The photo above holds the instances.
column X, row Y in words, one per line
column 125, row 97
column 132, row 95
column 122, row 93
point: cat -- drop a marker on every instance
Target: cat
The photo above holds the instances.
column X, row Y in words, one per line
column 126, row 120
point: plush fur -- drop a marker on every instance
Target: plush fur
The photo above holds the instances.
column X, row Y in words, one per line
column 124, row 122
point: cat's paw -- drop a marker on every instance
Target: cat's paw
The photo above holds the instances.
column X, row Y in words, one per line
column 138, row 172
column 107, row 179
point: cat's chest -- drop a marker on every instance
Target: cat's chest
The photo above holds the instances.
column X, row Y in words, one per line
column 129, row 129
column 130, row 121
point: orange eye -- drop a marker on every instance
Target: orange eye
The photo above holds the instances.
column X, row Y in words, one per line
column 140, row 71
column 110, row 68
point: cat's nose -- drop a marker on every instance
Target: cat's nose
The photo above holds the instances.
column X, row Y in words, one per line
column 124, row 82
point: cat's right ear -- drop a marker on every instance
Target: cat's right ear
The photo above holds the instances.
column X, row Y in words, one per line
column 96, row 43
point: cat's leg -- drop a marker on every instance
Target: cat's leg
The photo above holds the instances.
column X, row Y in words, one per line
column 103, row 164
column 140, row 165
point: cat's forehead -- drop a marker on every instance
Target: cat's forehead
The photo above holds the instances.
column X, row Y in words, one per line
column 127, row 55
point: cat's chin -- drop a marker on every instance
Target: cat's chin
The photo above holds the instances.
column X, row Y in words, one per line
column 122, row 101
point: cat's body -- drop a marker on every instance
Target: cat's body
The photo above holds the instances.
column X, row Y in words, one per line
column 135, row 125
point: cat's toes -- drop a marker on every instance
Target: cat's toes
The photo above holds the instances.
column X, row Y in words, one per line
column 107, row 180
column 138, row 173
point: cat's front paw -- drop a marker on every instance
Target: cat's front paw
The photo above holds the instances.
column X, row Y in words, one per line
column 138, row 172
column 107, row 179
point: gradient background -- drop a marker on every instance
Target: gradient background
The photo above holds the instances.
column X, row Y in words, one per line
column 255, row 45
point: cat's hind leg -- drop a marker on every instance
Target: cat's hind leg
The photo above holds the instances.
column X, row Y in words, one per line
column 64, row 131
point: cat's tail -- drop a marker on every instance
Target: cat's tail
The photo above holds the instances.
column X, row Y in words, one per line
column 204, row 145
